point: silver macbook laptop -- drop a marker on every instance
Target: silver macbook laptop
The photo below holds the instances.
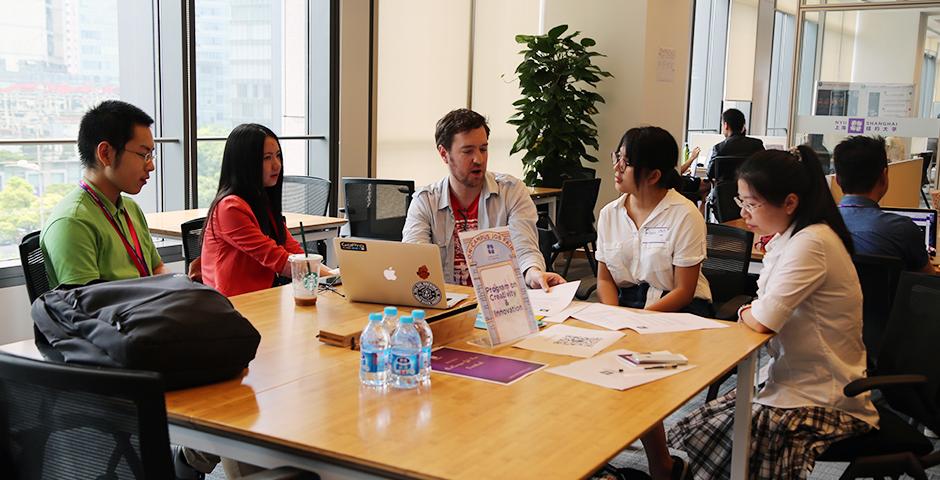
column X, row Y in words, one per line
column 391, row 273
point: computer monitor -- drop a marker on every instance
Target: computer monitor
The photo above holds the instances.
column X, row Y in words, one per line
column 926, row 221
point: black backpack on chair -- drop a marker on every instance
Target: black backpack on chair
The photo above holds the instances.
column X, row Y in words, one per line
column 169, row 324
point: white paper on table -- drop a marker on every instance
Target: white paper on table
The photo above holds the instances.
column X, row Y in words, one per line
column 455, row 298
column 607, row 371
column 552, row 302
column 568, row 340
column 616, row 318
column 575, row 307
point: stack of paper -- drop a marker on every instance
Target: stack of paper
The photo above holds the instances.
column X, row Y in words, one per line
column 568, row 340
column 608, row 371
column 617, row 318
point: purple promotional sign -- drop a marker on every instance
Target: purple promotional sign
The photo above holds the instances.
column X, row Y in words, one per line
column 481, row 366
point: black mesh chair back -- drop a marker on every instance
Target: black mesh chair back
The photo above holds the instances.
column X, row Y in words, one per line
column 910, row 347
column 64, row 422
column 878, row 276
column 34, row 266
column 726, row 166
column 574, row 227
column 192, row 239
column 727, row 261
column 307, row 195
column 721, row 201
column 377, row 208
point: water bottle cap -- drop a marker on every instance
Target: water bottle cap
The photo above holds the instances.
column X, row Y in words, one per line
column 391, row 310
column 417, row 314
column 406, row 320
column 375, row 317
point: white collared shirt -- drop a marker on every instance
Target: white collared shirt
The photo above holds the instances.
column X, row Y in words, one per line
column 808, row 292
column 672, row 236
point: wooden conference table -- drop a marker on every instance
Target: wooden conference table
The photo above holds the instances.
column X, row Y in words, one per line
column 301, row 404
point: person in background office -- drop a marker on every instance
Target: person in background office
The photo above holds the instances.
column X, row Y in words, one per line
column 245, row 241
column 862, row 173
column 470, row 198
column 650, row 249
column 808, row 294
column 95, row 232
column 736, row 143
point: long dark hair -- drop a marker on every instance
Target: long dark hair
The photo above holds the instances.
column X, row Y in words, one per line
column 652, row 148
column 242, row 172
column 774, row 174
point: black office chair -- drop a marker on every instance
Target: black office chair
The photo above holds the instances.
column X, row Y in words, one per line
column 909, row 379
column 721, row 199
column 307, row 195
column 34, row 266
column 192, row 240
column 878, row 276
column 65, row 421
column 725, row 267
column 377, row 208
column 575, row 226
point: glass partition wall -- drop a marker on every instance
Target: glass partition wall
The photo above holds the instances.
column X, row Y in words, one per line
column 869, row 68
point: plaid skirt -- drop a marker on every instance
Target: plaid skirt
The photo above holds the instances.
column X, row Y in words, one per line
column 784, row 441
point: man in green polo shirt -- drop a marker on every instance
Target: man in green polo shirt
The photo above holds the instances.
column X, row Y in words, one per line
column 95, row 232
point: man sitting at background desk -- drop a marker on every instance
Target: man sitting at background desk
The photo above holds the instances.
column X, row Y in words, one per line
column 862, row 173
column 470, row 198
column 735, row 143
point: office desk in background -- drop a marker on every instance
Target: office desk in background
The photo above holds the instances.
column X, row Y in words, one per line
column 316, row 227
column 546, row 196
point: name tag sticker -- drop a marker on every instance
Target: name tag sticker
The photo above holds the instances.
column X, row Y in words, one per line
column 655, row 235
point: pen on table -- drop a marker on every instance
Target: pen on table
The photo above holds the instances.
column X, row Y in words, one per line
column 660, row 366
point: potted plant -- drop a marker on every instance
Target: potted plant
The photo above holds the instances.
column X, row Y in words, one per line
column 553, row 117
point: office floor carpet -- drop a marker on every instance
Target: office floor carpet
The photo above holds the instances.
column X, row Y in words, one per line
column 634, row 456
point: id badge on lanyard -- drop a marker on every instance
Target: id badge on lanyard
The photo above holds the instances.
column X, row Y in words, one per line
column 137, row 252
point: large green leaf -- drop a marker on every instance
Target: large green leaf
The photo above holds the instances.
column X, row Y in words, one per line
column 557, row 31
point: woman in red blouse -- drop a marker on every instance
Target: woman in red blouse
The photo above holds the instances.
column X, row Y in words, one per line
column 245, row 242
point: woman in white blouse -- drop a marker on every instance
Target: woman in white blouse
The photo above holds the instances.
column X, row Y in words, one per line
column 650, row 248
column 809, row 296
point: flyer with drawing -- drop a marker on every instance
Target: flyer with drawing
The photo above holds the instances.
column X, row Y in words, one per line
column 498, row 283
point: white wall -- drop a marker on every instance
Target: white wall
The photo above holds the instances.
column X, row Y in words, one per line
column 886, row 46
column 423, row 64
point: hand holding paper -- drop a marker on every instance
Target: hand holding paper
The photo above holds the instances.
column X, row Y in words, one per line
column 549, row 303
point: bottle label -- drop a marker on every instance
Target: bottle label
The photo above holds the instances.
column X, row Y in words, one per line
column 404, row 365
column 372, row 362
column 426, row 358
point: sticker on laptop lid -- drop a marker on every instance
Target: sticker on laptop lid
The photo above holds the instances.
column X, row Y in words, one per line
column 426, row 293
column 354, row 246
column 423, row 272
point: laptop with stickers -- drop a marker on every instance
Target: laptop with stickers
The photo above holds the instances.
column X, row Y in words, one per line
column 391, row 273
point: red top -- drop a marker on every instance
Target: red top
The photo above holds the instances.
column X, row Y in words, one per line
column 237, row 257
column 465, row 220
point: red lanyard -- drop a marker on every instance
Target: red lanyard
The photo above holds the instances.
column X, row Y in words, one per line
column 137, row 255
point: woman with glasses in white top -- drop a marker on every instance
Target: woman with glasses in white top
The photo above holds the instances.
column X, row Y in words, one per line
column 809, row 296
column 650, row 249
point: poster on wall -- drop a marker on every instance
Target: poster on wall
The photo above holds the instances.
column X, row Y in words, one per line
column 873, row 100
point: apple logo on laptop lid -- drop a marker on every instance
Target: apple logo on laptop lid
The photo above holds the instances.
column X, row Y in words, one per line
column 389, row 274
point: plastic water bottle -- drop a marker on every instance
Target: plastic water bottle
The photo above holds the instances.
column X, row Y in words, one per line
column 405, row 353
column 373, row 347
column 427, row 340
column 390, row 322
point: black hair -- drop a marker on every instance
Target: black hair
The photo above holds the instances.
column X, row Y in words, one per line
column 652, row 148
column 111, row 121
column 860, row 162
column 774, row 174
column 242, row 172
column 735, row 120
column 458, row 121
